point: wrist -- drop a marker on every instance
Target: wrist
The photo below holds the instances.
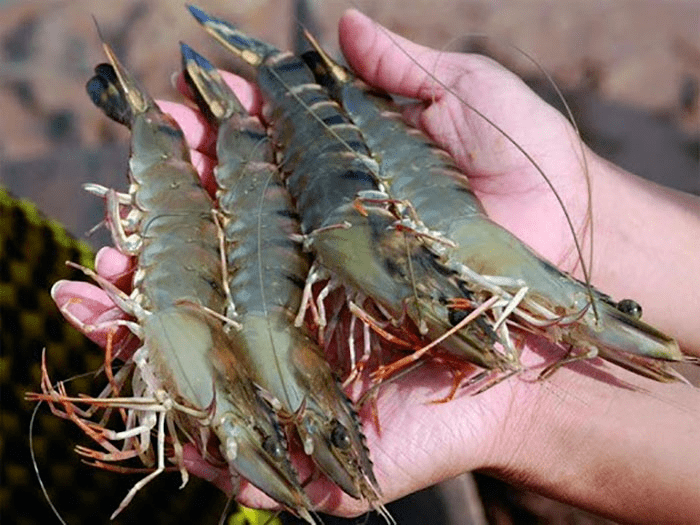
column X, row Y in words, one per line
column 621, row 453
column 645, row 248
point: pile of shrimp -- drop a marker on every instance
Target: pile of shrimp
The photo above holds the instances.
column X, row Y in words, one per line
column 322, row 233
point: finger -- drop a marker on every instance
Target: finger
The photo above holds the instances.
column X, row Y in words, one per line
column 393, row 63
column 116, row 267
column 469, row 88
column 198, row 133
column 205, row 165
column 89, row 309
column 198, row 466
column 247, row 93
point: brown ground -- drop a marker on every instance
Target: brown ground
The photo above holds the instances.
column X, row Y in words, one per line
column 640, row 53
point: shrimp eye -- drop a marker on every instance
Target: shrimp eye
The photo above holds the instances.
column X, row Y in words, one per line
column 631, row 308
column 339, row 436
column 456, row 316
column 272, row 446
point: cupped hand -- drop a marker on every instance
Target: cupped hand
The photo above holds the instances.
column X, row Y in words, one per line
column 542, row 434
column 416, row 446
column 420, row 442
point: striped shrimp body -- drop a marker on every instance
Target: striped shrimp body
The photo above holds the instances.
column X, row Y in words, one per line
column 345, row 215
column 183, row 361
column 486, row 255
column 266, row 275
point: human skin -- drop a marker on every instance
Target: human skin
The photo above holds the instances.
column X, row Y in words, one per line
column 592, row 435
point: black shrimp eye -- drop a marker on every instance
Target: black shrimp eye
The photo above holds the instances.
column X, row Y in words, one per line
column 340, row 437
column 273, row 447
column 456, row 316
column 631, row 308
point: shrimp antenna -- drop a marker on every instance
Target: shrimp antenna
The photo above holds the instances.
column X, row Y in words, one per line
column 584, row 158
column 36, row 465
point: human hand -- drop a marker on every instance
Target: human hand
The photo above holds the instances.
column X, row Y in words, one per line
column 94, row 306
column 628, row 216
column 421, row 442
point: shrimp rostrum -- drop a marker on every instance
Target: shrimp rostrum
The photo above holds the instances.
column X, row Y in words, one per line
column 185, row 378
column 266, row 276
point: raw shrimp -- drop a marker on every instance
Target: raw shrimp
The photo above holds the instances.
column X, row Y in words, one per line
column 266, row 276
column 486, row 255
column 185, row 377
column 348, row 221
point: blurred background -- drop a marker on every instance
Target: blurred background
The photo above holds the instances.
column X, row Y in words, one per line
column 630, row 69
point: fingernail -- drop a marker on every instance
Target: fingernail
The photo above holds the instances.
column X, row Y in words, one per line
column 66, row 303
column 56, row 289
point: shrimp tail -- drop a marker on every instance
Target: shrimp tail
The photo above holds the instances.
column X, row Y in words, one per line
column 208, row 88
column 106, row 93
column 250, row 50
column 115, row 91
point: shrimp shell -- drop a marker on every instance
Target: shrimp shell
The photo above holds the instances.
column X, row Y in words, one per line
column 349, row 222
column 184, row 377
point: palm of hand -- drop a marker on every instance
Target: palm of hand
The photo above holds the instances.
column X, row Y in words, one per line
column 421, row 442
